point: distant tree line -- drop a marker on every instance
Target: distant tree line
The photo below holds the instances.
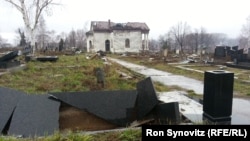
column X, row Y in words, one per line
column 181, row 37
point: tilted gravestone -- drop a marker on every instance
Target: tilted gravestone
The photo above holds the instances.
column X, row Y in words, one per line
column 147, row 99
column 112, row 106
column 7, row 61
column 100, row 76
column 35, row 115
column 9, row 99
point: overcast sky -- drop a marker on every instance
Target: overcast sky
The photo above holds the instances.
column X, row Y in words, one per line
column 219, row 16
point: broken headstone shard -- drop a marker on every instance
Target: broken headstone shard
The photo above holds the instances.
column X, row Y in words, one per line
column 9, row 99
column 147, row 98
column 167, row 113
column 218, row 96
column 35, row 115
column 112, row 106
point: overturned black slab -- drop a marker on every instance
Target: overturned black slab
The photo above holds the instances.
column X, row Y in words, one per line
column 10, row 64
column 147, row 98
column 8, row 101
column 47, row 58
column 9, row 56
column 112, row 106
column 35, row 115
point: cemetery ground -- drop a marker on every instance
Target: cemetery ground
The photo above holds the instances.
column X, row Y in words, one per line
column 193, row 70
column 76, row 73
column 73, row 73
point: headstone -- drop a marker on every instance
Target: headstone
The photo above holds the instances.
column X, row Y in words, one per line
column 9, row 99
column 35, row 115
column 177, row 51
column 47, row 58
column 165, row 53
column 218, row 96
column 220, row 51
column 100, row 76
column 113, row 106
column 167, row 113
column 9, row 56
column 147, row 99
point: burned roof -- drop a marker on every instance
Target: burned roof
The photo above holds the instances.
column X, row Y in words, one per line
column 108, row 26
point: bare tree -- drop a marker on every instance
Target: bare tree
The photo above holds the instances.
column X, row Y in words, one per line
column 31, row 10
column 80, row 38
column 179, row 32
column 244, row 38
column 72, row 38
column 42, row 34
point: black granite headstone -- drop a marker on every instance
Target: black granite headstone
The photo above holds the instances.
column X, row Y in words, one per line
column 9, row 56
column 8, row 101
column 167, row 113
column 220, row 51
column 109, row 105
column 35, row 115
column 218, row 95
column 147, row 98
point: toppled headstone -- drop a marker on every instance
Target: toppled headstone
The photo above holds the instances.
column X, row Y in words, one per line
column 35, row 115
column 109, row 105
column 47, row 58
column 7, row 61
column 147, row 98
column 9, row 99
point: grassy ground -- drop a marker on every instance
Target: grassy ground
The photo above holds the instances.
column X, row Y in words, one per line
column 127, row 135
column 70, row 73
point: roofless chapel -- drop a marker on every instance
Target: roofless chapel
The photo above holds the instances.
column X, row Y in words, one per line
column 117, row 37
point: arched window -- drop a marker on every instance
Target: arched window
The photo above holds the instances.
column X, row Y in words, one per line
column 127, row 43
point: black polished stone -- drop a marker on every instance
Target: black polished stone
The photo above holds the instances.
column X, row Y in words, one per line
column 147, row 98
column 9, row 99
column 109, row 105
column 218, row 93
column 35, row 115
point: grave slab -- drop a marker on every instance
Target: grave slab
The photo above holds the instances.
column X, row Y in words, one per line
column 8, row 101
column 109, row 105
column 147, row 98
column 35, row 115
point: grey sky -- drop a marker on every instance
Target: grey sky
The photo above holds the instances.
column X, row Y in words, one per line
column 220, row 16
